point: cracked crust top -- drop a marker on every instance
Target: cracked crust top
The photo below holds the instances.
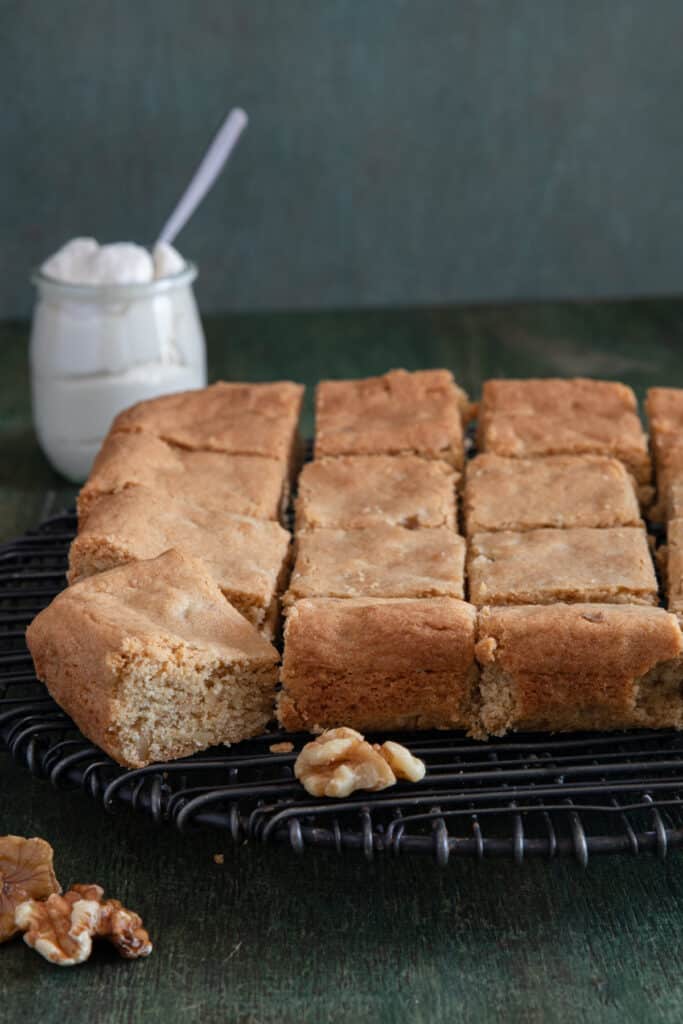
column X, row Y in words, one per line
column 360, row 491
column 243, row 484
column 544, row 566
column 240, row 419
column 398, row 413
column 153, row 602
column 555, row 491
column 380, row 561
column 523, row 435
column 242, row 554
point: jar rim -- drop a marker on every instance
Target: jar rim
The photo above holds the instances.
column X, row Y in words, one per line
column 133, row 290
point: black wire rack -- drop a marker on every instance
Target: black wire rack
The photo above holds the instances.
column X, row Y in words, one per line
column 537, row 795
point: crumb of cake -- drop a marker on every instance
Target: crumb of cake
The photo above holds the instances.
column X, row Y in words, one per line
column 219, row 858
column 281, row 748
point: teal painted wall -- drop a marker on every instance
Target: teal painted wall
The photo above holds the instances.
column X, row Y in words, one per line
column 400, row 151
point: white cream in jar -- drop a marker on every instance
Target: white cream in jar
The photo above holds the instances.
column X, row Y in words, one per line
column 113, row 325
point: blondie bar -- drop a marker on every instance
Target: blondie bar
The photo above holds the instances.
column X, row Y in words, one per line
column 581, row 666
column 152, row 663
column 555, row 491
column 399, row 413
column 528, row 418
column 240, row 419
column 354, row 492
column 375, row 663
column 380, row 561
column 249, row 485
column 248, row 558
column 580, row 564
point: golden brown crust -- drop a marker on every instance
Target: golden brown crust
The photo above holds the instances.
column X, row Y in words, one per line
column 523, row 435
column 244, row 556
column 544, row 566
column 555, row 491
column 359, row 491
column 378, row 664
column 583, row 666
column 103, row 643
column 248, row 485
column 380, row 561
column 557, row 396
column 398, row 413
column 240, row 419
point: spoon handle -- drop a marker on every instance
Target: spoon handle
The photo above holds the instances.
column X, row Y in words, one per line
column 206, row 174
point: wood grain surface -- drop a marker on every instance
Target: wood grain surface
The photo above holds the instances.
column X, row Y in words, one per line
column 269, row 937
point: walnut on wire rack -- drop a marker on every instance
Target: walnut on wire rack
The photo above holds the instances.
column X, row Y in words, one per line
column 62, row 928
column 340, row 761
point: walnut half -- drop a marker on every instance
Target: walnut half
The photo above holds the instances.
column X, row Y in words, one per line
column 26, row 872
column 62, row 928
column 341, row 761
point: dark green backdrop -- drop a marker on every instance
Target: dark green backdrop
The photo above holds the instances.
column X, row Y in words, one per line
column 415, row 151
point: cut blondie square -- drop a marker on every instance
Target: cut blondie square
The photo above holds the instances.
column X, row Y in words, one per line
column 525, row 419
column 152, row 663
column 239, row 419
column 248, row 558
column 380, row 561
column 560, row 668
column 372, row 663
column 249, row 485
column 581, row 564
column 521, row 435
column 399, row 413
column 555, row 491
column 353, row 492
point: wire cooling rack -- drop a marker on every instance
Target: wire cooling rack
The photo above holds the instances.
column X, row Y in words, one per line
column 536, row 795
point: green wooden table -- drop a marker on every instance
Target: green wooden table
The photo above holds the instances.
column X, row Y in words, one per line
column 268, row 937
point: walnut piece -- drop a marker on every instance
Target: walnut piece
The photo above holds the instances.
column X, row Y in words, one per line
column 62, row 928
column 402, row 763
column 340, row 761
column 25, row 873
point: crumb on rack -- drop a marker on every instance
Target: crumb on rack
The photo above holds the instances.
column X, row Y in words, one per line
column 281, row 748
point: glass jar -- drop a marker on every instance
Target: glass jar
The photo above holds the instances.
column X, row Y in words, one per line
column 96, row 349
